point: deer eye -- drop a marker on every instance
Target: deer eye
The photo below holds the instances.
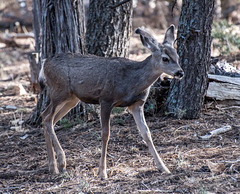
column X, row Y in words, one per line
column 165, row 59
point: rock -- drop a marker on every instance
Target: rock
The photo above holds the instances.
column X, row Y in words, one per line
column 15, row 128
column 20, row 122
column 24, row 137
column 11, row 107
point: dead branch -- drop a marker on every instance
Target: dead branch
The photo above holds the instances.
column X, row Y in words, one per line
column 216, row 132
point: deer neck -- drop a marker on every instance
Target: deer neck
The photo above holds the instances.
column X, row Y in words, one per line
column 148, row 73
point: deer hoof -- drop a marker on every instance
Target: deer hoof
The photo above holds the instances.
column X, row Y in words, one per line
column 164, row 170
column 103, row 175
column 62, row 167
column 61, row 162
column 53, row 170
column 167, row 171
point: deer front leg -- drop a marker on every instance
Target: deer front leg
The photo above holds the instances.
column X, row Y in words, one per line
column 105, row 124
column 138, row 114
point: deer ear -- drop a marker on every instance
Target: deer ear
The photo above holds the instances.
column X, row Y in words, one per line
column 147, row 40
column 169, row 36
column 144, row 42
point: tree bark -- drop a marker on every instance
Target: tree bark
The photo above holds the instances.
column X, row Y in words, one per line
column 186, row 97
column 58, row 27
column 109, row 29
column 63, row 27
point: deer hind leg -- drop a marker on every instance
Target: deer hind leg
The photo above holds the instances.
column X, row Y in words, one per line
column 50, row 150
column 105, row 124
column 51, row 138
column 68, row 105
column 138, row 114
column 65, row 109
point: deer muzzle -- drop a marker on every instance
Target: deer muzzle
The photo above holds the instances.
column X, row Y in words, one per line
column 179, row 74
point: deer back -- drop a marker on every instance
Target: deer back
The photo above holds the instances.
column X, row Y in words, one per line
column 93, row 78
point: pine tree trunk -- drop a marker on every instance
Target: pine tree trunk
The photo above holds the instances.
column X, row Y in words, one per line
column 63, row 27
column 59, row 27
column 186, row 97
column 108, row 28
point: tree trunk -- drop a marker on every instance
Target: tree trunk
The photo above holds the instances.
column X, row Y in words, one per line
column 186, row 97
column 59, row 27
column 217, row 10
column 109, row 28
column 37, row 9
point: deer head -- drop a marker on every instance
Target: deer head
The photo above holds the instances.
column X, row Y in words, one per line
column 164, row 55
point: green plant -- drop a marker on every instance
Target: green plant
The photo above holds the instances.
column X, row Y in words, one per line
column 151, row 106
column 224, row 37
column 78, row 121
column 83, row 185
column 118, row 110
column 202, row 190
column 119, row 121
column 66, row 123
column 178, row 113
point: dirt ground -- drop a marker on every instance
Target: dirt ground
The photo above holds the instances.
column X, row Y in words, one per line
column 197, row 166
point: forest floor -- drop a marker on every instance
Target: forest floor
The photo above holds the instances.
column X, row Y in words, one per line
column 197, row 166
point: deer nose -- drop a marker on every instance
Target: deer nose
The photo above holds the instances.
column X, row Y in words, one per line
column 179, row 74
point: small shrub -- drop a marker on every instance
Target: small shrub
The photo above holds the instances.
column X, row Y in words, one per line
column 177, row 113
column 118, row 110
column 225, row 40
column 66, row 123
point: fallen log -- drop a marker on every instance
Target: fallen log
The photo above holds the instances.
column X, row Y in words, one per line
column 221, row 78
column 223, row 87
column 10, row 39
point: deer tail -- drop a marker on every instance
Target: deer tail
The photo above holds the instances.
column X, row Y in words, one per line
column 41, row 78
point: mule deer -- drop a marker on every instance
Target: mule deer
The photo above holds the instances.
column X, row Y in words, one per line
column 110, row 82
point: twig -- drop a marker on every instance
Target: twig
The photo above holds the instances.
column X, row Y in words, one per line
column 230, row 107
column 15, row 173
column 117, row 5
column 229, row 161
